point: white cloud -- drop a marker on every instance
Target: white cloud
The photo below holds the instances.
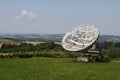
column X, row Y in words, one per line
column 30, row 15
column 27, row 14
column 24, row 12
column 17, row 17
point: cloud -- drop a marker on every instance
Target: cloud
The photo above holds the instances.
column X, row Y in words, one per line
column 30, row 15
column 24, row 12
column 27, row 14
column 17, row 17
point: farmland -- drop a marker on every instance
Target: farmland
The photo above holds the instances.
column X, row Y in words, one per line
column 57, row 69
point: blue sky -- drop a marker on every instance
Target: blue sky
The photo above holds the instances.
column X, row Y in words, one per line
column 58, row 16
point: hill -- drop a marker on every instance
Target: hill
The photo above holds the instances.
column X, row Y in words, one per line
column 51, row 37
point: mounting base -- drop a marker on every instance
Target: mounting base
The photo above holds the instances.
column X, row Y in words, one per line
column 90, row 56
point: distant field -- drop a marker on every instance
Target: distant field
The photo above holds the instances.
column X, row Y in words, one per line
column 8, row 41
column 35, row 42
column 4, row 40
column 57, row 69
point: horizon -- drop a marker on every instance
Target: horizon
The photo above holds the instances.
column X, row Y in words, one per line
column 47, row 34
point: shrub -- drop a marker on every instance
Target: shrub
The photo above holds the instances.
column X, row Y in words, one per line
column 24, row 55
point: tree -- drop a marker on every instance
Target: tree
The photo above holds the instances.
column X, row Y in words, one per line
column 117, row 44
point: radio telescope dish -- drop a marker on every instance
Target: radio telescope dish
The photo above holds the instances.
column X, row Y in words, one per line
column 80, row 37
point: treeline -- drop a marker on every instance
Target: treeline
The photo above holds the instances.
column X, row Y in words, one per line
column 24, row 50
column 110, row 50
column 24, row 47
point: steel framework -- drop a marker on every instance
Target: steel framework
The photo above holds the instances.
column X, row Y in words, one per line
column 80, row 38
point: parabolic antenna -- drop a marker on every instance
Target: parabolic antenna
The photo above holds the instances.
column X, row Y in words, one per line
column 80, row 37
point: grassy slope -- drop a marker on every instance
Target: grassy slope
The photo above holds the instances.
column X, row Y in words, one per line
column 56, row 69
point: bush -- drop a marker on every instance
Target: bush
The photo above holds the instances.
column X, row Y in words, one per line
column 24, row 55
column 112, row 53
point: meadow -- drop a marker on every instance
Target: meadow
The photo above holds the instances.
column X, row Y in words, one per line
column 57, row 69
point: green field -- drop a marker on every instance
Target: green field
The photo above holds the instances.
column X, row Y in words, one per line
column 57, row 69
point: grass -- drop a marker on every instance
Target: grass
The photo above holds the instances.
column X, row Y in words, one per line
column 57, row 69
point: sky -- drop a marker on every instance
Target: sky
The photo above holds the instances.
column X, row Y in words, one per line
column 58, row 16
